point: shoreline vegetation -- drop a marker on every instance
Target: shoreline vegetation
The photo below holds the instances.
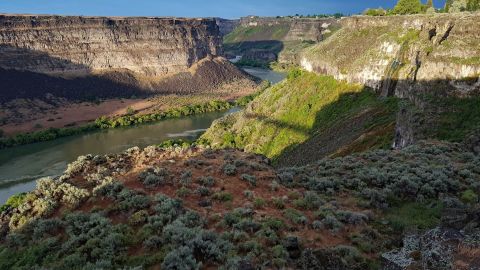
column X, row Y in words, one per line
column 128, row 120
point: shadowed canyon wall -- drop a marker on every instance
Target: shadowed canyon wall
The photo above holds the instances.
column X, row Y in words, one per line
column 79, row 45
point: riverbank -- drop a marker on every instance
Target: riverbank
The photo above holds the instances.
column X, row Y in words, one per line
column 148, row 110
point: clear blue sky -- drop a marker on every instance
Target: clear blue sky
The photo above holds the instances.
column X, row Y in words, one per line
column 192, row 8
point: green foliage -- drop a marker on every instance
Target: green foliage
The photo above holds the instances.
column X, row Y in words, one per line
column 251, row 179
column 459, row 118
column 408, row 7
column 129, row 120
column 44, row 135
column 222, row 196
column 295, row 216
column 305, row 106
column 469, row 196
column 415, row 216
column 229, row 169
column 14, row 201
column 472, row 5
column 375, row 12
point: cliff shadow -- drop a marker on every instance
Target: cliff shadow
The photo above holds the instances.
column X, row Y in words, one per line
column 413, row 111
column 21, row 77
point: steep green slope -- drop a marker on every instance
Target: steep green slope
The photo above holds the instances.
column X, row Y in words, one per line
column 308, row 108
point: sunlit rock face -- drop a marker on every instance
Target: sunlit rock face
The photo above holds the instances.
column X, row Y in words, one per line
column 58, row 45
column 399, row 55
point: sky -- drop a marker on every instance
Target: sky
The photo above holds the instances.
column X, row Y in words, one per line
column 192, row 8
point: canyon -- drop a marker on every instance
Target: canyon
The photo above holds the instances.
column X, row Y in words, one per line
column 77, row 46
column 264, row 40
column 366, row 156
column 48, row 63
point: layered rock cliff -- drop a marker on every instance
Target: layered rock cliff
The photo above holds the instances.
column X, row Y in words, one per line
column 82, row 45
column 396, row 54
column 84, row 58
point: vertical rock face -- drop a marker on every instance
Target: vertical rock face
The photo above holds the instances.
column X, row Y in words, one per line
column 395, row 54
column 226, row 26
column 58, row 45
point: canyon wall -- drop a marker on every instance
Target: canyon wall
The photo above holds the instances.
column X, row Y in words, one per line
column 398, row 55
column 298, row 29
column 263, row 40
column 62, row 45
column 420, row 58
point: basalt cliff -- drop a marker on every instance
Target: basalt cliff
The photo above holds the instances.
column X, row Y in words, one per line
column 398, row 54
column 114, row 55
column 79, row 45
column 419, row 58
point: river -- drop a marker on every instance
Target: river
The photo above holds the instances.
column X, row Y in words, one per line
column 21, row 166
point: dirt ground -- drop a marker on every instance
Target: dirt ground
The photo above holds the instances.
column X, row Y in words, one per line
column 20, row 116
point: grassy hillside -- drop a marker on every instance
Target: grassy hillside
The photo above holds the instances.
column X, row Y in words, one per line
column 306, row 109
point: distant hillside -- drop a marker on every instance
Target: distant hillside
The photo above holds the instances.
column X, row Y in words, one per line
column 262, row 40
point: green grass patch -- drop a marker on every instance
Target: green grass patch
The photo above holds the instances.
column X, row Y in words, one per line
column 459, row 118
column 415, row 215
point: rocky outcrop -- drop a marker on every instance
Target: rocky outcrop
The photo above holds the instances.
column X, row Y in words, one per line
column 452, row 245
column 84, row 45
column 399, row 55
column 226, row 26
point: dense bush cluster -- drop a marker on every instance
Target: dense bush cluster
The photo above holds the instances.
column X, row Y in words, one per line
column 381, row 177
column 128, row 120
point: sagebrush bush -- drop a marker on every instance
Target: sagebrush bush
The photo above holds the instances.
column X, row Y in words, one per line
column 251, row 179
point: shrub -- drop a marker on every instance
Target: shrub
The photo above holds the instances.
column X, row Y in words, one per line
column 375, row 12
column 352, row 217
column 330, row 222
column 279, row 203
column 183, row 192
column 203, row 191
column 248, row 194
column 153, row 243
column 180, row 258
column 153, row 180
column 258, row 203
column 408, row 7
column 14, row 201
column 295, row 216
column 138, row 217
column 310, row 201
column 207, row 181
column 46, row 227
column 222, row 196
column 469, row 196
column 252, row 180
column 274, row 185
column 186, row 178
column 229, row 169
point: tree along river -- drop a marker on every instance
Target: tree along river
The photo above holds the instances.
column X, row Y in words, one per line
column 21, row 166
